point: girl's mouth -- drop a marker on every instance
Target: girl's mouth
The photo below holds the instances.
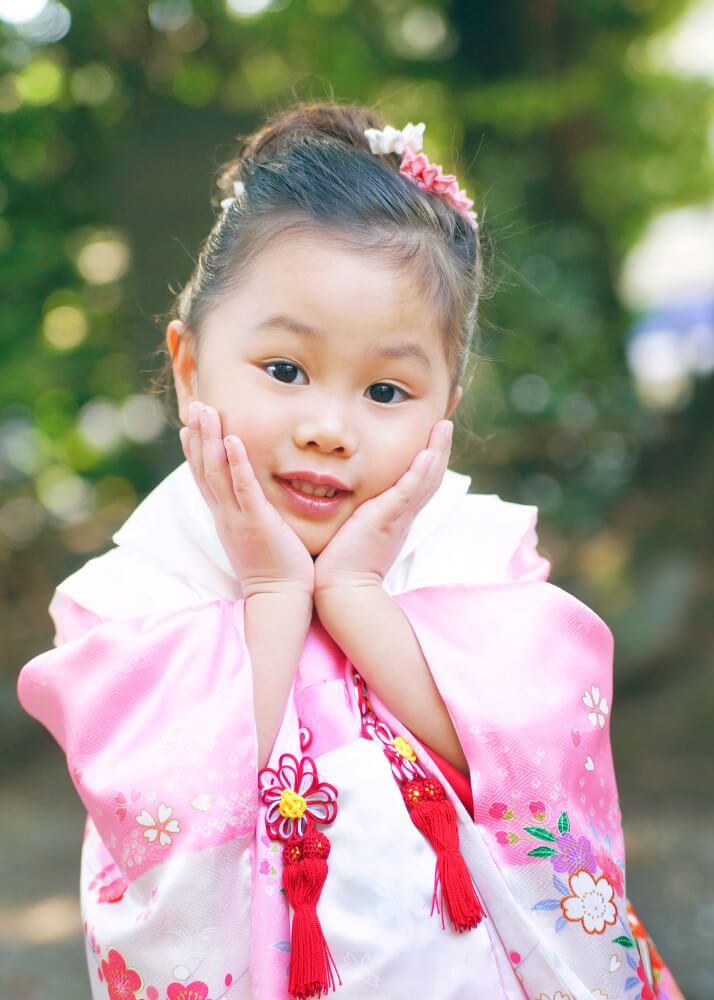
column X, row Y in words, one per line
column 305, row 503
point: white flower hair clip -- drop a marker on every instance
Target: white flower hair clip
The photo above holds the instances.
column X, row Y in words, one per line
column 416, row 166
column 238, row 189
column 392, row 140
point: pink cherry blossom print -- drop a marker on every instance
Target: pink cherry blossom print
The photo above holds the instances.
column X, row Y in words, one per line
column 597, row 706
column 160, row 829
column 293, row 794
column 122, row 982
column 611, row 870
column 152, row 993
column 187, row 991
column 575, row 736
column 123, row 802
column 591, row 903
column 502, row 837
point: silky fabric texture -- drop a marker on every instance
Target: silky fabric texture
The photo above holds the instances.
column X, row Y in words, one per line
column 180, row 884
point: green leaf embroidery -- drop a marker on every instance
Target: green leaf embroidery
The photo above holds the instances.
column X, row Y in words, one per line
column 540, row 832
column 542, row 852
column 624, row 941
column 563, row 823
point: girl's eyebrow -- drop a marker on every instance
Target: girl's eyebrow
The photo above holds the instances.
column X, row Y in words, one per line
column 403, row 350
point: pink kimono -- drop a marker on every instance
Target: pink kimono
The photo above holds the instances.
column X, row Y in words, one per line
column 149, row 694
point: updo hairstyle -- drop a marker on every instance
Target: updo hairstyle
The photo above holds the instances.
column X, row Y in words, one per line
column 309, row 170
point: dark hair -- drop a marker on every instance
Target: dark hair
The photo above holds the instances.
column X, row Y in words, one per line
column 309, row 169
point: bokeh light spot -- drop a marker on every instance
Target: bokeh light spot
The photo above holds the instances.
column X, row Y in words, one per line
column 92, row 84
column 40, row 82
column 65, row 327
column 142, row 418
column 99, row 424
column 65, row 494
column 103, row 259
column 21, row 520
column 21, row 11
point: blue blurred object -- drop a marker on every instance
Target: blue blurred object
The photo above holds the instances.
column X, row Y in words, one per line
column 673, row 342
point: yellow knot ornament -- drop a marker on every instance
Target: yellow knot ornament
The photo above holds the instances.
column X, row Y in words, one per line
column 403, row 748
column 292, row 805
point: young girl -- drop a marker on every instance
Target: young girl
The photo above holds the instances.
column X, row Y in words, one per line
column 332, row 727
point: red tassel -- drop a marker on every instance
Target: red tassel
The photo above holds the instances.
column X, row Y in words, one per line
column 434, row 815
column 304, row 874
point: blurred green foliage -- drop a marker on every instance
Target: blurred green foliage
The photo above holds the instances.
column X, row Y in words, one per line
column 555, row 118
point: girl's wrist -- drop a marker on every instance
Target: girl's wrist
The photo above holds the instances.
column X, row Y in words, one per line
column 294, row 592
column 330, row 592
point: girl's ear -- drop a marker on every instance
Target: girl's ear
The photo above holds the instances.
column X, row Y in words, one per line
column 179, row 343
column 455, row 400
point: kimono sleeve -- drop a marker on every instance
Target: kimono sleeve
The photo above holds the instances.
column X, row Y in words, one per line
column 525, row 670
column 155, row 716
column 526, row 562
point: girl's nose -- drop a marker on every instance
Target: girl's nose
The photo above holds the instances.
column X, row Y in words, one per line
column 328, row 434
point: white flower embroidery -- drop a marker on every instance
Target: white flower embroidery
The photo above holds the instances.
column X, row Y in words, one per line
column 598, row 706
column 591, row 902
column 162, row 827
column 556, row 996
column 393, row 140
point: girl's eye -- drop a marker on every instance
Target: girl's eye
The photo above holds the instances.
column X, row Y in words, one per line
column 283, row 368
column 388, row 387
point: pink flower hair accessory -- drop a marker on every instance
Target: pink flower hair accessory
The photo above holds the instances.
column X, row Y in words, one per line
column 417, row 168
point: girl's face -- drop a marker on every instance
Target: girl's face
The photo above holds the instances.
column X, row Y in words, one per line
column 322, row 362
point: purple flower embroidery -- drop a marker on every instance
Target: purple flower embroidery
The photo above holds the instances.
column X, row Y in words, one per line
column 574, row 854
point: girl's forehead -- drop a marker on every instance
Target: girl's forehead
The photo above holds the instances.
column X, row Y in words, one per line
column 320, row 285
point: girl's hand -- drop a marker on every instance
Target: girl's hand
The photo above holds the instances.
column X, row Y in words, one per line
column 367, row 544
column 265, row 553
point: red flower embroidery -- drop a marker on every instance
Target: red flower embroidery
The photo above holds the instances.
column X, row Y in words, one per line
column 187, row 991
column 498, row 810
column 122, row 983
column 611, row 870
column 647, row 993
column 113, row 892
column 293, row 795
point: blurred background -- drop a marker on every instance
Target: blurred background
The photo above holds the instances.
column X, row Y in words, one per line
column 585, row 133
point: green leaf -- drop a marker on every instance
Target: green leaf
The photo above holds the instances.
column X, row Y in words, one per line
column 542, row 852
column 563, row 823
column 540, row 832
column 624, row 941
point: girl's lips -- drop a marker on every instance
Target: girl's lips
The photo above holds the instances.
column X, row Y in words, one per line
column 312, row 505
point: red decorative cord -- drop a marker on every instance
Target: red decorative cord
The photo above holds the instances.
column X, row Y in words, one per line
column 433, row 814
column 295, row 800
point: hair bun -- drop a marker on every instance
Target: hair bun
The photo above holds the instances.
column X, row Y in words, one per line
column 334, row 119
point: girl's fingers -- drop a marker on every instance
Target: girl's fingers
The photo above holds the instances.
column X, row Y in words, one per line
column 194, row 454
column 424, row 476
column 215, row 462
column 245, row 486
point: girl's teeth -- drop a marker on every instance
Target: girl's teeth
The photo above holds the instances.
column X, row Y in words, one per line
column 312, row 489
